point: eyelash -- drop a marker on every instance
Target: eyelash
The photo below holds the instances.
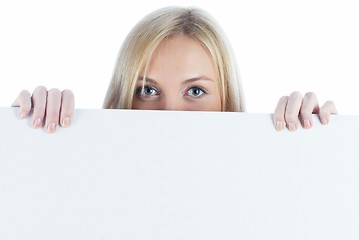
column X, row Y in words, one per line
column 198, row 88
column 140, row 91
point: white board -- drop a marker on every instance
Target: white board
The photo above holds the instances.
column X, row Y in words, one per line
column 118, row 174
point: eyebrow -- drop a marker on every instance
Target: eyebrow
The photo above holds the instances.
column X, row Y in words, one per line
column 203, row 77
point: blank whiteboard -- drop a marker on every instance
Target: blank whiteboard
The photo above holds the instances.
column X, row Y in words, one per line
column 127, row 174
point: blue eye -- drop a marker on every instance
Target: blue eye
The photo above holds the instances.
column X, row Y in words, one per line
column 147, row 91
column 196, row 91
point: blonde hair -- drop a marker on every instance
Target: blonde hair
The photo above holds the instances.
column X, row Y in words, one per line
column 137, row 49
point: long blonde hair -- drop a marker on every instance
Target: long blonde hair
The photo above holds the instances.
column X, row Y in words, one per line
column 137, row 49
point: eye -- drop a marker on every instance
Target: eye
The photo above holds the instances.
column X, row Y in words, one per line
column 196, row 91
column 147, row 91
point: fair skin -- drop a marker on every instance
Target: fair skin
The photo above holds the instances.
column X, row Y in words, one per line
column 181, row 76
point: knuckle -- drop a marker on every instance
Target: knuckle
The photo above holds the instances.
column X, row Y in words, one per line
column 24, row 99
column 290, row 118
column 52, row 120
column 26, row 107
column 330, row 103
column 66, row 114
column 38, row 114
column 304, row 110
column 39, row 102
column 305, row 114
column 296, row 93
column 324, row 111
column 25, row 93
column 310, row 95
column 67, row 91
column 53, row 117
column 40, row 107
column 66, row 111
column 278, row 116
column 284, row 99
column 54, row 92
column 68, row 95
column 40, row 89
column 39, row 95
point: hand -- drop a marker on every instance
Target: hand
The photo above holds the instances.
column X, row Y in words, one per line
column 50, row 108
column 290, row 108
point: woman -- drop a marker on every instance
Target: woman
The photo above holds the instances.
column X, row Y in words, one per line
column 173, row 59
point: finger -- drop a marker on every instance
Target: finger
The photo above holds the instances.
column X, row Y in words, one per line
column 52, row 110
column 24, row 102
column 325, row 111
column 279, row 113
column 292, row 111
column 309, row 106
column 67, row 108
column 39, row 105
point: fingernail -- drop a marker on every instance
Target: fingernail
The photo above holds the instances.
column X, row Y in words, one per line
column 37, row 123
column 292, row 127
column 324, row 121
column 66, row 122
column 279, row 125
column 51, row 127
column 22, row 115
column 307, row 123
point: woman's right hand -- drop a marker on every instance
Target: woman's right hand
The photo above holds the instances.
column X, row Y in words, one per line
column 50, row 107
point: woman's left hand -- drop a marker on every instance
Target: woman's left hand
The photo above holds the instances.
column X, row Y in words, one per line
column 290, row 108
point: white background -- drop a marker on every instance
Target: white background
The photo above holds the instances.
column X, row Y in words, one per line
column 281, row 46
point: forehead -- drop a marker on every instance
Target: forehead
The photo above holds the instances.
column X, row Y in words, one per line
column 181, row 57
